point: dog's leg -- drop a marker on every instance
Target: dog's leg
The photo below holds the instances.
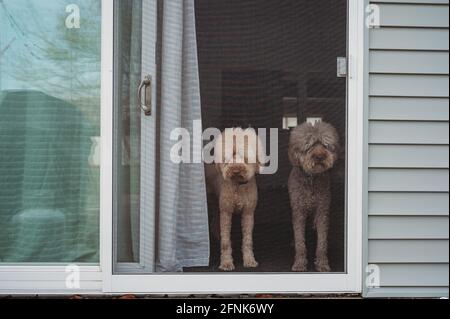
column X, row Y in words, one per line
column 321, row 223
column 248, row 223
column 226, row 256
column 301, row 255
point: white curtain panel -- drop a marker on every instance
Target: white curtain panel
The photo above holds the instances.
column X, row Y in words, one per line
column 183, row 235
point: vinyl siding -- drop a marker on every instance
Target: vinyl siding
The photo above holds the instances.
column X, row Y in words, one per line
column 408, row 151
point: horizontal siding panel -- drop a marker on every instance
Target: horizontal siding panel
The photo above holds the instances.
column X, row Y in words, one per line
column 384, row 132
column 408, row 180
column 404, row 275
column 408, row 251
column 399, row 15
column 409, row 85
column 408, row 292
column 408, row 227
column 406, row 108
column 407, row 156
column 409, row 62
column 409, row 39
column 386, row 203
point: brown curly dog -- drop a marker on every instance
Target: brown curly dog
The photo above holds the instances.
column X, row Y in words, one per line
column 234, row 183
column 313, row 151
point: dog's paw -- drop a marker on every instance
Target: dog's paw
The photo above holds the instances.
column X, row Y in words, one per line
column 227, row 265
column 250, row 262
column 322, row 266
column 300, row 266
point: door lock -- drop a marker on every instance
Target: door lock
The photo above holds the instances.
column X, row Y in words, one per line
column 342, row 67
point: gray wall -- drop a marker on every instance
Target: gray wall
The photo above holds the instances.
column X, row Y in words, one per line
column 408, row 155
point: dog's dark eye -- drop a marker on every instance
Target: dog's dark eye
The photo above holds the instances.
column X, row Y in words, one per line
column 307, row 147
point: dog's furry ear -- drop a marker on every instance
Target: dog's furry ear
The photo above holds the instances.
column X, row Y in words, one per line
column 291, row 155
column 330, row 137
column 297, row 140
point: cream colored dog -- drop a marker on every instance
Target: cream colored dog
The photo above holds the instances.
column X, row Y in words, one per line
column 237, row 160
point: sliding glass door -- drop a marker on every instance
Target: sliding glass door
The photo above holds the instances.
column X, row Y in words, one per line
column 110, row 114
column 186, row 71
column 50, row 53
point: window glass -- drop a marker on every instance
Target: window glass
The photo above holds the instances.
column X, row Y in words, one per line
column 49, row 131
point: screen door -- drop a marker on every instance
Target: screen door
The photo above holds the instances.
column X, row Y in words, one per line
column 272, row 64
column 276, row 68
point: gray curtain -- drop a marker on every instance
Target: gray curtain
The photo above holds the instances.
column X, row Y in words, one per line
column 183, row 236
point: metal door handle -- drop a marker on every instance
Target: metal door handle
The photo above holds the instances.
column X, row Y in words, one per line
column 147, row 105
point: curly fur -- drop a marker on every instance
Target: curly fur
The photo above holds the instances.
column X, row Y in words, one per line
column 235, row 186
column 313, row 151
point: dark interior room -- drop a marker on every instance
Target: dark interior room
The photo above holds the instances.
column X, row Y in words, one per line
column 273, row 64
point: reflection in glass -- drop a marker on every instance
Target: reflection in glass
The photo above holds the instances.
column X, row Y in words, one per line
column 50, row 131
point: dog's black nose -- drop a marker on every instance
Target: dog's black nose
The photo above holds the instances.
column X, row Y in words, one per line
column 319, row 158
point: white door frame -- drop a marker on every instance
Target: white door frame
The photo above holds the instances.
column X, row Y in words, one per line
column 107, row 143
column 43, row 279
column 253, row 283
